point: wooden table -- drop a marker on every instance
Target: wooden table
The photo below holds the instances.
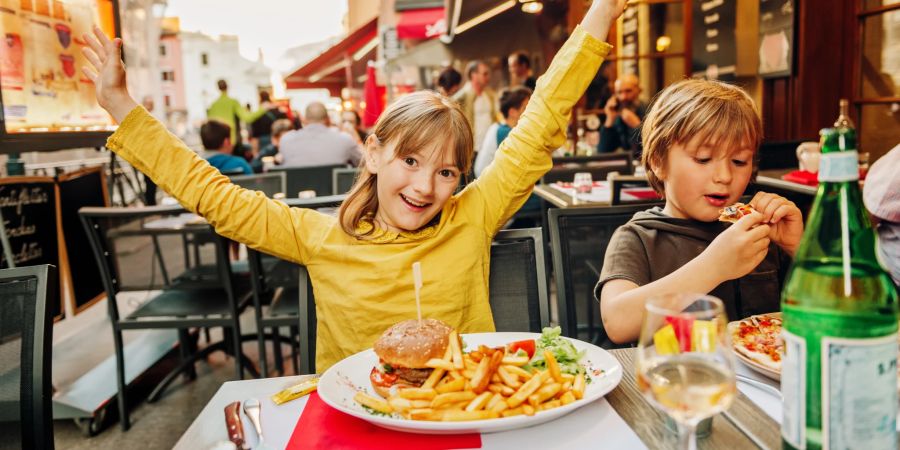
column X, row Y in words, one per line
column 744, row 425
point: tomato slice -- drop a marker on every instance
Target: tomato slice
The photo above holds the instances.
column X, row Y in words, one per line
column 380, row 378
column 526, row 345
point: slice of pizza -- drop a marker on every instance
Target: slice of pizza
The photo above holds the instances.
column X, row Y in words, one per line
column 759, row 339
column 734, row 212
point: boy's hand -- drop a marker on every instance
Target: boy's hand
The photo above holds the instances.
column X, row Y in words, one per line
column 739, row 249
column 107, row 72
column 785, row 218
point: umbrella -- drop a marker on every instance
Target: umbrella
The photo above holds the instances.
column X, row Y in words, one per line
column 374, row 95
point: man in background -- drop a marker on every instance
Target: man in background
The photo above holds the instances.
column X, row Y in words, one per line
column 624, row 114
column 230, row 112
column 520, row 73
column 477, row 100
column 216, row 137
column 261, row 128
column 317, row 144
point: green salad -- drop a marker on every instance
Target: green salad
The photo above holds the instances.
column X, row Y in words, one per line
column 563, row 350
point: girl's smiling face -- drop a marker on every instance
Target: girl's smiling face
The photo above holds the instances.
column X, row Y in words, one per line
column 411, row 189
column 701, row 177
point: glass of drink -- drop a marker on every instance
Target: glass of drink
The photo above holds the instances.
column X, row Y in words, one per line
column 685, row 365
column 583, row 183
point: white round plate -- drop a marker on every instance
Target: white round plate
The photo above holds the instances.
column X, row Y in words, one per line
column 341, row 381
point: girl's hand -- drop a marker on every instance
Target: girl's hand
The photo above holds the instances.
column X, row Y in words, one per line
column 785, row 218
column 601, row 16
column 739, row 249
column 107, row 72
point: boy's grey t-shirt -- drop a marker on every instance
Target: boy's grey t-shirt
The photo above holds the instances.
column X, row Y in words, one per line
column 652, row 245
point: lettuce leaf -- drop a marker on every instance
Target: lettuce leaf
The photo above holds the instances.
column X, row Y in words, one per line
column 563, row 350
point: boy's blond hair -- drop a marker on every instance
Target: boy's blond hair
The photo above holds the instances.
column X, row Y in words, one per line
column 715, row 112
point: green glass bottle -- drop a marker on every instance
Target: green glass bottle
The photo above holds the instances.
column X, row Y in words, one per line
column 839, row 374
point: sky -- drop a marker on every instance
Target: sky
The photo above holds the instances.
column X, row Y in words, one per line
column 272, row 25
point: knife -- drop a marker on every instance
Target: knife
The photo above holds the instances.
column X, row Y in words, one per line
column 234, row 425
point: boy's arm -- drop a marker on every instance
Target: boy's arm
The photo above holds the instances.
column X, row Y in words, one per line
column 733, row 254
column 525, row 155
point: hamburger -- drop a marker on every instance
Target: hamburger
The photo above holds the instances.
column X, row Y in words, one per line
column 404, row 349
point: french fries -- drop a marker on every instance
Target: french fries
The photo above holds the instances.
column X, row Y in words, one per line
column 482, row 384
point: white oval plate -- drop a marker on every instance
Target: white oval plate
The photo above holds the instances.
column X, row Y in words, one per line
column 341, row 381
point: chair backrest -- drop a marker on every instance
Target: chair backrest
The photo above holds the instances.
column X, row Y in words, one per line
column 342, row 180
column 316, row 178
column 599, row 166
column 629, row 182
column 578, row 240
column 518, row 281
column 778, row 155
column 26, row 337
column 269, row 183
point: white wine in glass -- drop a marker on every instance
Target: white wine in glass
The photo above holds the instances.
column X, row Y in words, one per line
column 685, row 366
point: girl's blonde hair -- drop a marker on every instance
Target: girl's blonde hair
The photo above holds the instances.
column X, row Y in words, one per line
column 417, row 121
column 715, row 112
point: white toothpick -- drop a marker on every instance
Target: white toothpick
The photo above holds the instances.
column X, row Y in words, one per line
column 417, row 280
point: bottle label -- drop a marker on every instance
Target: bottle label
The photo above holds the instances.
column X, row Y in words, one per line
column 859, row 392
column 839, row 166
column 793, row 390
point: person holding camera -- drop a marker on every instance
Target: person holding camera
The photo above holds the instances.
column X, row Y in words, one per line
column 624, row 113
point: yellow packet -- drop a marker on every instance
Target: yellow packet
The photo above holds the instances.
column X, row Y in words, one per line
column 703, row 336
column 296, row 391
column 665, row 341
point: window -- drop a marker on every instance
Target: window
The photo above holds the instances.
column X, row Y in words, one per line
column 168, row 75
column 167, row 100
column 204, row 59
column 877, row 82
column 162, row 49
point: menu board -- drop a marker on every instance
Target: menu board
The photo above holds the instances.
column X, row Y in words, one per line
column 30, row 214
column 713, row 43
column 629, row 42
column 776, row 37
column 85, row 187
column 42, row 87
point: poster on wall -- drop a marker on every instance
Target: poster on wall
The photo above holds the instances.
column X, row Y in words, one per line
column 44, row 94
column 713, row 40
column 776, row 37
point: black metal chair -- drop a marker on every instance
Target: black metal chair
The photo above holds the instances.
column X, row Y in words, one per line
column 342, row 180
column 116, row 236
column 518, row 291
column 578, row 238
column 599, row 166
column 619, row 183
column 269, row 183
column 316, row 178
column 26, row 337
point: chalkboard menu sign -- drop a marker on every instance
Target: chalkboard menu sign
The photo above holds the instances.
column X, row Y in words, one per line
column 86, row 187
column 713, row 42
column 629, row 41
column 29, row 206
column 776, row 37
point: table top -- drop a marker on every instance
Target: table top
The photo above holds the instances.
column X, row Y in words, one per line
column 772, row 178
column 623, row 419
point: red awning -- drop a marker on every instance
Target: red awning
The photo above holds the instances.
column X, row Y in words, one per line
column 330, row 69
column 421, row 23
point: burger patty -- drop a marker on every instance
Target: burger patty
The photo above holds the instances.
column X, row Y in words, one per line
column 417, row 376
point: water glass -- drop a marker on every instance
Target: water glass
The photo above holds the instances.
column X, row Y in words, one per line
column 583, row 183
column 684, row 362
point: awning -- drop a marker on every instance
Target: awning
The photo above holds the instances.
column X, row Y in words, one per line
column 333, row 69
column 463, row 15
column 421, row 23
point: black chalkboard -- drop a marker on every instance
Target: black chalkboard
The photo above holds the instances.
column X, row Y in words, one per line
column 713, row 43
column 29, row 206
column 776, row 38
column 85, row 187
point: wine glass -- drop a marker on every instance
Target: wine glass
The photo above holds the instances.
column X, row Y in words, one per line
column 685, row 365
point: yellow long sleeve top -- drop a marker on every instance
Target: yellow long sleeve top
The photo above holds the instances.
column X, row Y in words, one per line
column 361, row 286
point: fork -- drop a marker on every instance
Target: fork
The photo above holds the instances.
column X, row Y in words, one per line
column 252, row 409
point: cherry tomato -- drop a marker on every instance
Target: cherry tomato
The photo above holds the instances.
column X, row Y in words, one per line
column 526, row 345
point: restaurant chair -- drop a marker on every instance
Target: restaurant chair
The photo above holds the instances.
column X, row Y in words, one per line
column 117, row 236
column 342, row 180
column 626, row 182
column 315, row 178
column 269, row 183
column 578, row 240
column 778, row 155
column 599, row 166
column 518, row 291
column 26, row 338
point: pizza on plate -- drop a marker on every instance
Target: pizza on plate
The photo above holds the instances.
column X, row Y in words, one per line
column 759, row 339
column 734, row 212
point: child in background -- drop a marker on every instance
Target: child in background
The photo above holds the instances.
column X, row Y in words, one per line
column 216, row 140
column 512, row 104
column 402, row 208
column 700, row 140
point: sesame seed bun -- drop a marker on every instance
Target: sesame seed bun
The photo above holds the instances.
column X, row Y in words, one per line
column 410, row 344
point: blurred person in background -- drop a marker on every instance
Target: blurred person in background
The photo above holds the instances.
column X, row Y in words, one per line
column 624, row 113
column 352, row 125
column 477, row 100
column 230, row 112
column 881, row 194
column 520, row 73
column 449, row 81
column 279, row 128
column 317, row 144
column 261, row 128
column 512, row 104
column 216, row 137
